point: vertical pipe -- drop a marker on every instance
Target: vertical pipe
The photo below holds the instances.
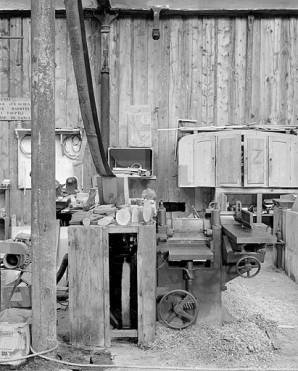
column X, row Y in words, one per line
column 43, row 208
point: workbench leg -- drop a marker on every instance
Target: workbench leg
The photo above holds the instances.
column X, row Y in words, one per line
column 259, row 207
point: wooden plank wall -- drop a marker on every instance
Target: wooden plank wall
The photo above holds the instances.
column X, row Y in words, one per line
column 216, row 70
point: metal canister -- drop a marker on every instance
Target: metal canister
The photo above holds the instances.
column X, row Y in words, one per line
column 161, row 214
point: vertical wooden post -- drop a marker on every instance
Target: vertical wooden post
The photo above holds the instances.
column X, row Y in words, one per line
column 259, row 207
column 43, row 209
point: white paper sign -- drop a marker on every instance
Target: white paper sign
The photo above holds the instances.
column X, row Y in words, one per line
column 15, row 109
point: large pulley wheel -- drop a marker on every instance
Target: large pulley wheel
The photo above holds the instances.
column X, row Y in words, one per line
column 248, row 267
column 178, row 309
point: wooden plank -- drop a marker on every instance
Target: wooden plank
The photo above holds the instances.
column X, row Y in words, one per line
column 256, row 71
column 208, row 72
column 248, row 68
column 139, row 61
column 176, row 100
column 266, row 75
column 119, row 229
column 291, row 237
column 106, row 286
column 206, row 5
column 114, row 82
column 87, row 288
column 124, row 333
column 163, row 111
column 146, row 276
column 259, row 207
column 241, row 234
column 223, row 71
column 125, row 77
column 277, row 77
column 293, row 66
column 250, row 191
column 194, row 69
column 238, row 117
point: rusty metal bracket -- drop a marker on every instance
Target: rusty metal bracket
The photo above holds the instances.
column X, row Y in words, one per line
column 155, row 31
column 105, row 19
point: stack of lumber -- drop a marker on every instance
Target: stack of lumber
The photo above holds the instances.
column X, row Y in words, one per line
column 93, row 217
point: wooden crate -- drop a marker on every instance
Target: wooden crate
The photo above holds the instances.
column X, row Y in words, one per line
column 89, row 296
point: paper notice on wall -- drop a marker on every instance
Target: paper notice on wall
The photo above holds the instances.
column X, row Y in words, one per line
column 139, row 126
column 15, row 109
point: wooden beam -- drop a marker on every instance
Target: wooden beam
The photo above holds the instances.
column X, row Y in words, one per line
column 43, row 209
column 18, row 5
column 205, row 5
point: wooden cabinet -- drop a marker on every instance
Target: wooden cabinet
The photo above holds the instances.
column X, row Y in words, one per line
column 239, row 158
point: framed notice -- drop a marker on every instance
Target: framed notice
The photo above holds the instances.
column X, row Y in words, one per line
column 139, row 126
column 14, row 109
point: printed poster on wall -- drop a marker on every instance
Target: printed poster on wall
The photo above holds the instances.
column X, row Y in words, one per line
column 139, row 126
column 15, row 109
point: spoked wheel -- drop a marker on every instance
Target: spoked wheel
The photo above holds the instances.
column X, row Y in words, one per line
column 248, row 267
column 178, row 309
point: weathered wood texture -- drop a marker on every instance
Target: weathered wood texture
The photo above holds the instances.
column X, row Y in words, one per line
column 87, row 304
column 291, row 249
column 216, row 70
column 89, row 294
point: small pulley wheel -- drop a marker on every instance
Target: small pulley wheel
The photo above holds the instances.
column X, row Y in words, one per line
column 178, row 309
column 248, row 267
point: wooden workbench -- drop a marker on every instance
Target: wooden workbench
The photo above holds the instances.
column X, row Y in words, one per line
column 89, row 286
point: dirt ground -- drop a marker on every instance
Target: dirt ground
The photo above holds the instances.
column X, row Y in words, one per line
column 263, row 334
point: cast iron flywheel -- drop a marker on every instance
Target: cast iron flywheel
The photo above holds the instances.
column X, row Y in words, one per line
column 248, row 267
column 178, row 309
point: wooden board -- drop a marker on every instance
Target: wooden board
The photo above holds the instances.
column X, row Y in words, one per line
column 86, row 286
column 241, row 234
column 291, row 250
column 146, row 270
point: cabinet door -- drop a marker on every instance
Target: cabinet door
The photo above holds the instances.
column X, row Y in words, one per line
column 294, row 161
column 228, row 160
column 255, row 160
column 279, row 161
column 186, row 162
column 204, row 160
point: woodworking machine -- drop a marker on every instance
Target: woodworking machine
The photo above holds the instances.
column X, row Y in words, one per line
column 197, row 259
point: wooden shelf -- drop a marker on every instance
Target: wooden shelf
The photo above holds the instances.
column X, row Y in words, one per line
column 20, row 132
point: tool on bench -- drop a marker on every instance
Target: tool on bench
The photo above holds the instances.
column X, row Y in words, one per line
column 243, row 216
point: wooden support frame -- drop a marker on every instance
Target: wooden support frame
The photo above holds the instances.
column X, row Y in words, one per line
column 89, row 292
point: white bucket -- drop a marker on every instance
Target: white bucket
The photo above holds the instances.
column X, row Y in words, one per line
column 14, row 335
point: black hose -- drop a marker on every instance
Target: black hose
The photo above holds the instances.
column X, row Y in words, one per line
column 62, row 269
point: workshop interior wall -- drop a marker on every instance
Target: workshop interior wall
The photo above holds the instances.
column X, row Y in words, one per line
column 216, row 70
